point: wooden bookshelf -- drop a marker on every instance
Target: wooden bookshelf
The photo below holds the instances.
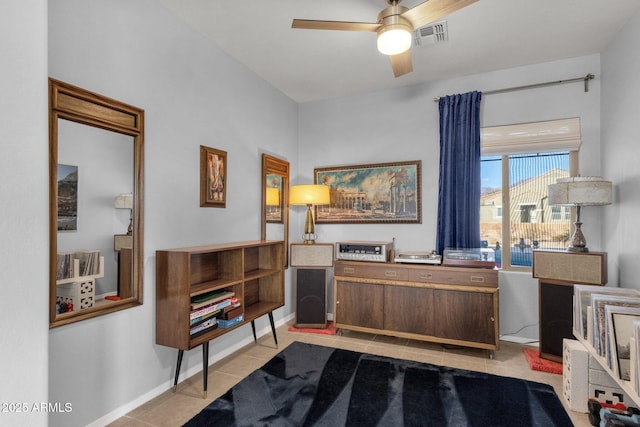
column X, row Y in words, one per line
column 252, row 270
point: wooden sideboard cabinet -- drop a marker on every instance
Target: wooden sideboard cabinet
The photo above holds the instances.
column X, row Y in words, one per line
column 252, row 270
column 449, row 305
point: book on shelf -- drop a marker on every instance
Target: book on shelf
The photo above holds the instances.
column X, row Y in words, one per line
column 210, row 308
column 206, row 316
column 231, row 322
column 89, row 262
column 208, row 298
column 64, row 266
column 207, row 324
column 232, row 311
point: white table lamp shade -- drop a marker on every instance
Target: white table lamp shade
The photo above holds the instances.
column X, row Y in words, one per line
column 580, row 191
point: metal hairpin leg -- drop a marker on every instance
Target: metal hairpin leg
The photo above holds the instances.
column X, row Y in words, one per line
column 175, row 379
column 253, row 329
column 205, row 367
column 273, row 328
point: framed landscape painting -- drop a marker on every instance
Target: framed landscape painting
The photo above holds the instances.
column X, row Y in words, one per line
column 375, row 193
column 67, row 197
column 213, row 177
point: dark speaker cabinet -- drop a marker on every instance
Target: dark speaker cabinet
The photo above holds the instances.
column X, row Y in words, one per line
column 311, row 263
column 557, row 272
column 311, row 297
column 556, row 317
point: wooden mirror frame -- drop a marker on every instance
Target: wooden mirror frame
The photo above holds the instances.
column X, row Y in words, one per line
column 81, row 106
column 275, row 166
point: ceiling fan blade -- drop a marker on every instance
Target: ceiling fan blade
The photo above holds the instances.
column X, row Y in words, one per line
column 432, row 10
column 401, row 63
column 310, row 24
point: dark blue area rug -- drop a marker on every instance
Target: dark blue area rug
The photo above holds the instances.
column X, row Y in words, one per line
column 310, row 385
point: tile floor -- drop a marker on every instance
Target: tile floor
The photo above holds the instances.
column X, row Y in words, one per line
column 174, row 409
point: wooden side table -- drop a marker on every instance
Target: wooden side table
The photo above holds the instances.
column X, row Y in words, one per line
column 557, row 272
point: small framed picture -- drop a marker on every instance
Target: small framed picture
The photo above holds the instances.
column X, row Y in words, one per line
column 213, row 177
column 619, row 332
column 599, row 303
column 582, row 304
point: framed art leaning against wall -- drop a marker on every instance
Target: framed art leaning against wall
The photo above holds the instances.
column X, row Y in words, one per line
column 374, row 193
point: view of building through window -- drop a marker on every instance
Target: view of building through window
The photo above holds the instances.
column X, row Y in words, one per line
column 526, row 218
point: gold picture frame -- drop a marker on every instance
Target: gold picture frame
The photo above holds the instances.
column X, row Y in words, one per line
column 213, row 177
column 374, row 193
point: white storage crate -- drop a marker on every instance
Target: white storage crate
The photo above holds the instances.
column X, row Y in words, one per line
column 81, row 294
column 575, row 375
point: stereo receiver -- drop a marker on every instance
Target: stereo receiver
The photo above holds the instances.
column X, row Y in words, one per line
column 364, row 251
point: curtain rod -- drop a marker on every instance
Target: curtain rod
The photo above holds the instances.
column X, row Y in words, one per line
column 536, row 85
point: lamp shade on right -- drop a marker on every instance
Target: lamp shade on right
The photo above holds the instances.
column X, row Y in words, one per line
column 580, row 191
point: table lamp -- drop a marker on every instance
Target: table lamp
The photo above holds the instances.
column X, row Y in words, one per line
column 580, row 191
column 310, row 195
column 125, row 201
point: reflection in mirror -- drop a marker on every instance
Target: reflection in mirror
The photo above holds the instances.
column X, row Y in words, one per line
column 96, row 148
column 89, row 155
column 275, row 201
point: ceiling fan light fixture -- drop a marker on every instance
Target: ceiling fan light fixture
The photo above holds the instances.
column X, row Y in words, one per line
column 394, row 39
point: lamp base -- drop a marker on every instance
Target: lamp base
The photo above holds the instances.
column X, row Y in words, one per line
column 578, row 241
column 309, row 239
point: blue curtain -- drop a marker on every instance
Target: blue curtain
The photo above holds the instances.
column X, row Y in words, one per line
column 459, row 182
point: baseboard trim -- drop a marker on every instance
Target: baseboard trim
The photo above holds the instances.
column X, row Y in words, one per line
column 157, row 391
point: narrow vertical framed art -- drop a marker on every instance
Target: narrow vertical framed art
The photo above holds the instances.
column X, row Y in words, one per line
column 213, row 177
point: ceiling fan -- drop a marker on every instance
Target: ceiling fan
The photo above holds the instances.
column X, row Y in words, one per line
column 394, row 26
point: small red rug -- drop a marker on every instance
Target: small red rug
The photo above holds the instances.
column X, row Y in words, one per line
column 328, row 330
column 538, row 364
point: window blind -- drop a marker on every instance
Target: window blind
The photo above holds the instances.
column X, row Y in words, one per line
column 536, row 137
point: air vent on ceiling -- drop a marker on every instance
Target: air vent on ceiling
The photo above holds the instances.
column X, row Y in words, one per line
column 431, row 34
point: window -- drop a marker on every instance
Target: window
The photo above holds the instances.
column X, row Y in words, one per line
column 515, row 217
column 560, row 213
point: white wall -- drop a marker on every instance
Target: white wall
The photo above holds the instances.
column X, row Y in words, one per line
column 193, row 94
column 402, row 124
column 24, row 247
column 620, row 153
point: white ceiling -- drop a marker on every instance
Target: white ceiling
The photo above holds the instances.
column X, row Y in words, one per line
column 310, row 65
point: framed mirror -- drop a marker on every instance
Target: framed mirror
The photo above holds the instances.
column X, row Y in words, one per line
column 275, row 201
column 95, row 204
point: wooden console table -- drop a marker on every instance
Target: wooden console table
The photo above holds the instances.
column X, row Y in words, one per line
column 449, row 305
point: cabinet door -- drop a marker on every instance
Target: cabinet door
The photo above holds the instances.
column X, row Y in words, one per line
column 408, row 309
column 359, row 304
column 465, row 316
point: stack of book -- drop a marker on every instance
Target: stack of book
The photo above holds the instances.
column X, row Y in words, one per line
column 65, row 266
column 89, row 262
column 231, row 316
column 206, row 308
